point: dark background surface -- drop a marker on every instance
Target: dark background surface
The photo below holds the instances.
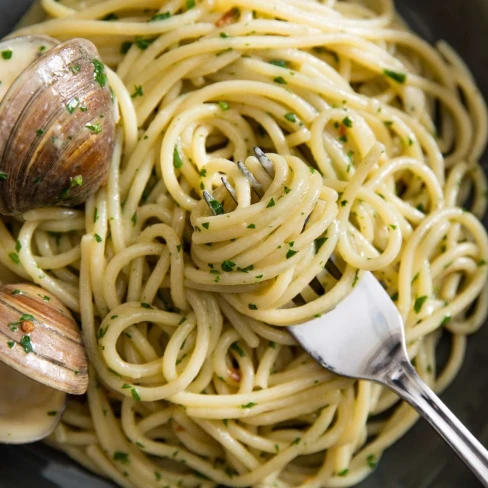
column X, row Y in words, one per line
column 418, row 460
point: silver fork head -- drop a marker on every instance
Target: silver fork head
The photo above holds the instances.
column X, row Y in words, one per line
column 362, row 337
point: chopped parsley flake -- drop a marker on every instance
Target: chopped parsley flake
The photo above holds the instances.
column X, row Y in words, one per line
column 394, row 75
column 347, row 122
column 72, row 105
column 96, row 128
column 99, row 72
column 319, row 242
column 445, row 320
column 25, row 342
column 251, row 226
column 7, row 54
column 246, row 269
column 97, row 238
column 224, row 51
column 18, row 246
column 235, row 347
column 223, row 105
column 216, row 207
column 14, row 257
column 27, row 316
column 279, row 62
column 419, row 303
column 3, row 176
column 177, row 162
column 228, row 265
column 162, row 16
column 138, row 91
column 142, row 43
column 291, row 117
column 356, row 277
column 121, row 457
column 190, row 4
column 10, row 344
column 371, row 460
column 344, row 472
column 280, row 80
column 271, row 203
column 252, row 306
column 249, row 405
column 135, row 395
column 290, row 253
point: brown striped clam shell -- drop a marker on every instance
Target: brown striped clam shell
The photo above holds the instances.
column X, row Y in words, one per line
column 40, row 339
column 57, row 126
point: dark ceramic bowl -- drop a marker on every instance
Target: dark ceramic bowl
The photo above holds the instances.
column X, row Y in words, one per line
column 420, row 459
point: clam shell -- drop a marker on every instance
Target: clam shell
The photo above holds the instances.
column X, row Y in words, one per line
column 56, row 130
column 54, row 353
column 25, row 49
column 29, row 411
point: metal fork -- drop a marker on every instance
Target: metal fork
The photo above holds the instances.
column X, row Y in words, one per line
column 363, row 337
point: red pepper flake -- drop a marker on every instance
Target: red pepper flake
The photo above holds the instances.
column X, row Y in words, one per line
column 27, row 326
column 228, row 18
column 342, row 130
column 179, row 428
column 234, row 374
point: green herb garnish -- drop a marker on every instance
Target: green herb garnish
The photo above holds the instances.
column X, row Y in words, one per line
column 26, row 343
column 139, row 92
column 228, row 265
column 419, row 302
column 394, row 75
column 291, row 117
column 162, row 16
column 99, row 72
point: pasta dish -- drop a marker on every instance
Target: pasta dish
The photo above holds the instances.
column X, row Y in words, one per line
column 374, row 138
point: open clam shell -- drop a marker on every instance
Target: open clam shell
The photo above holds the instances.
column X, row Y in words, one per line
column 29, row 410
column 40, row 339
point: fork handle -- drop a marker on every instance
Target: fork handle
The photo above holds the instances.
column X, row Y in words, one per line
column 406, row 382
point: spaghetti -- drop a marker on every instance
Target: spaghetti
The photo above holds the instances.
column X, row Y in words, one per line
column 374, row 137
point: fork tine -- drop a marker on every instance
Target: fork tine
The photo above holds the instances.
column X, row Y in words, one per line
column 258, row 188
column 214, row 205
column 230, row 189
column 334, row 271
column 266, row 163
